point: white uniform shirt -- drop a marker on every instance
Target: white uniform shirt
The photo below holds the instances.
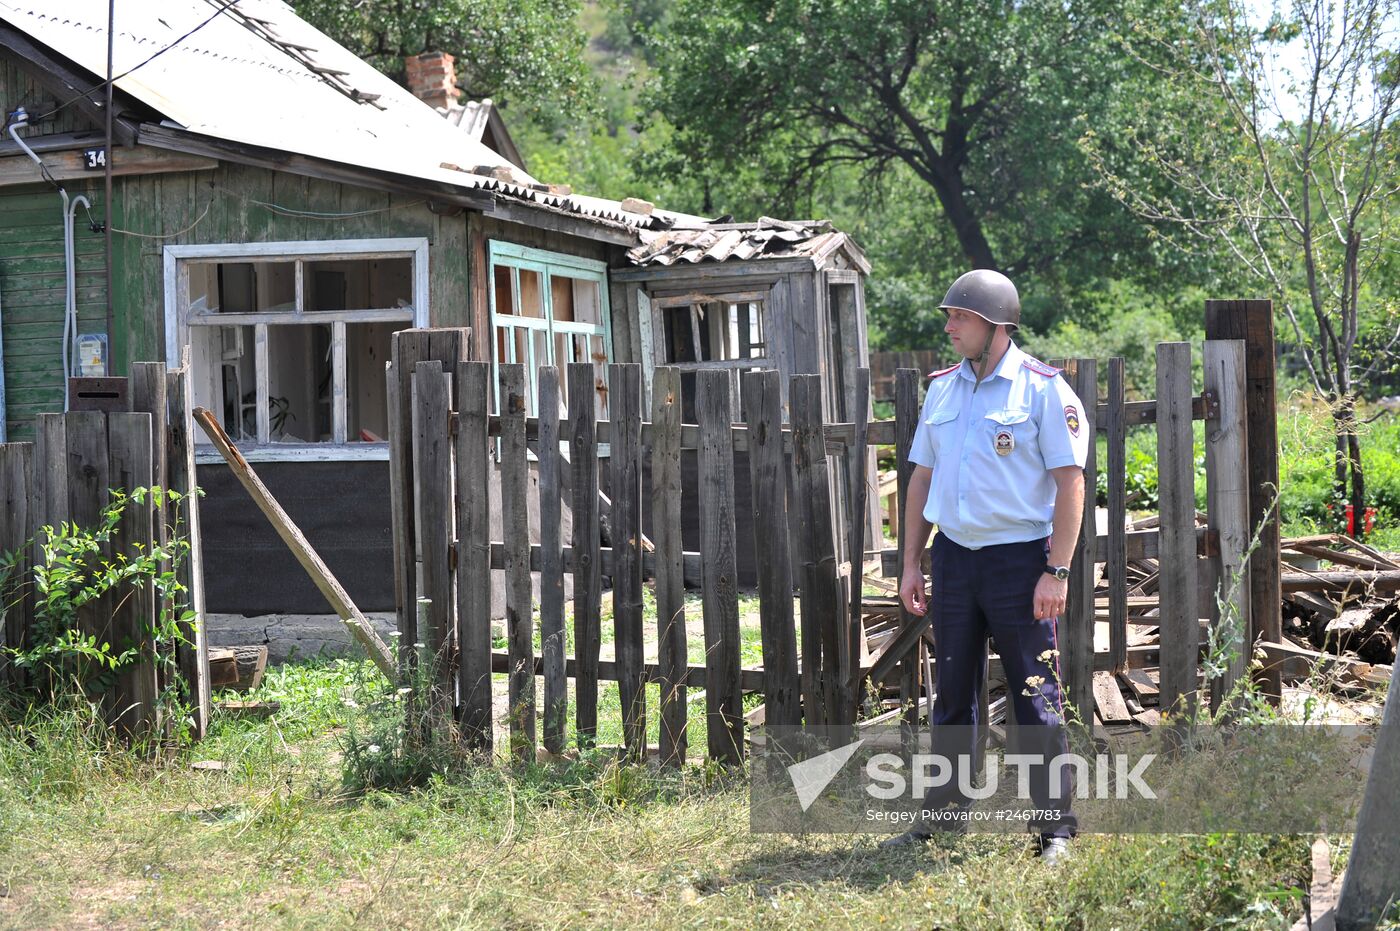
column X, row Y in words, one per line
column 991, row 452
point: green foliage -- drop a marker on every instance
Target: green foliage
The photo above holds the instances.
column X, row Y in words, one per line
column 527, row 54
column 84, row 567
column 1307, row 449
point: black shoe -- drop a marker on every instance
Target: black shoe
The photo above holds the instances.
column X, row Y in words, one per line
column 907, row 839
column 1054, row 850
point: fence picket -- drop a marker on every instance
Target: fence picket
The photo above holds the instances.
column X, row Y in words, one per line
column 473, row 459
column 822, row 610
column 670, row 580
column 552, row 645
column 88, row 481
column 588, row 582
column 16, row 527
column 134, row 615
column 515, row 472
column 432, row 464
column 193, row 654
column 763, row 413
column 625, row 405
column 1116, row 571
column 1177, row 542
column 1077, row 638
column 723, row 699
column 1227, row 495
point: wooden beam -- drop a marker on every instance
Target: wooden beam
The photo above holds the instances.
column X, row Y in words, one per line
column 570, row 224
column 70, row 166
column 335, row 593
column 750, row 678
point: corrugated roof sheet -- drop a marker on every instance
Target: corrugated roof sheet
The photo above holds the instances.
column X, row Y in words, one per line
column 260, row 75
column 768, row 238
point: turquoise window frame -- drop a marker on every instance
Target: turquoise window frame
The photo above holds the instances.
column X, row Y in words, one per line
column 519, row 258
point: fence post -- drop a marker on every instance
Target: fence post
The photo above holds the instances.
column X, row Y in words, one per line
column 552, row 645
column 906, row 408
column 1227, row 495
column 670, row 569
column 588, row 581
column 1077, row 643
column 193, row 654
column 432, row 465
column 134, row 699
column 1253, row 322
column 821, row 603
column 724, row 707
column 763, row 413
column 473, row 459
column 515, row 471
column 1116, row 427
column 1180, row 629
column 409, row 347
column 858, row 471
column 16, row 528
column 625, row 415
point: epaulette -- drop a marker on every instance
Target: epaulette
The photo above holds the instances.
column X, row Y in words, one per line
column 951, row 368
column 1040, row 368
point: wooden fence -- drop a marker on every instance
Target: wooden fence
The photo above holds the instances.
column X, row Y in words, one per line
column 121, row 433
column 450, row 441
column 454, row 441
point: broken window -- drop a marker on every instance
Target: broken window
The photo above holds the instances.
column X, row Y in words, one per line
column 289, row 350
column 549, row 308
column 701, row 331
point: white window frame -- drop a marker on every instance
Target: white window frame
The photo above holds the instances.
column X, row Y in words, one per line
column 177, row 262
column 546, row 263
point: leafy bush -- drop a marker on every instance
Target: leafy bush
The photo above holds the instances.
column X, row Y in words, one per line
column 80, row 566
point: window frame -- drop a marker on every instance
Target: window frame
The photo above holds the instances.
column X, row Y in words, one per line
column 177, row 262
column 525, row 258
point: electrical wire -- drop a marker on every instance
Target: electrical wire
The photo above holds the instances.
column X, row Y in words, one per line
column 217, row 13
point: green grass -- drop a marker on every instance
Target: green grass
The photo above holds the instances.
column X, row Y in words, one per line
column 90, row 837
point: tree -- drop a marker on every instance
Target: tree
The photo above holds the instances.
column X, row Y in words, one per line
column 983, row 101
column 1290, row 172
column 525, row 54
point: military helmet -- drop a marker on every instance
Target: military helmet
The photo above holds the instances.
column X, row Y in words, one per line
column 988, row 294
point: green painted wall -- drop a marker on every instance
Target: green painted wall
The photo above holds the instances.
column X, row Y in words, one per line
column 238, row 204
column 32, row 296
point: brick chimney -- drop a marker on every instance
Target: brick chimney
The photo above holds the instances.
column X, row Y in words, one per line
column 432, row 77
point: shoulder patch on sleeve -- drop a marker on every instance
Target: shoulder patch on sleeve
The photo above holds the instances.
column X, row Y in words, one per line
column 1040, row 368
column 941, row 373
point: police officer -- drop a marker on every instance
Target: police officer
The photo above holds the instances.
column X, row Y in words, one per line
column 999, row 456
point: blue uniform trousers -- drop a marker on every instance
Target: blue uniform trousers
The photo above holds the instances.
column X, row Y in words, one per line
column 990, row 591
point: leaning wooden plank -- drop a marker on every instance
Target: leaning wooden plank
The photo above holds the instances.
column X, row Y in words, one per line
column 1292, row 662
column 670, row 578
column 432, row 465
column 329, row 586
column 588, row 582
column 762, row 398
column 723, row 698
column 473, row 459
column 552, row 645
column 1176, row 478
column 1227, row 491
column 515, row 471
column 1368, row 889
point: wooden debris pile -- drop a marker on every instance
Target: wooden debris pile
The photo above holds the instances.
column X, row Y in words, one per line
column 1348, row 609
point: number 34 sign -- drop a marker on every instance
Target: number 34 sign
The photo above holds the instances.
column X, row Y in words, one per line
column 94, row 159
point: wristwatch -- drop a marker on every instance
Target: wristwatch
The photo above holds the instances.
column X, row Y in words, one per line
column 1059, row 572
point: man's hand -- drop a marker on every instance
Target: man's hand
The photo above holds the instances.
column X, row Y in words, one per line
column 912, row 594
column 1050, row 594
